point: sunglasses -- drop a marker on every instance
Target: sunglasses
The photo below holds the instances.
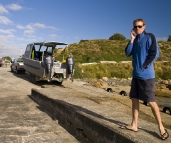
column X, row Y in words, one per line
column 139, row 26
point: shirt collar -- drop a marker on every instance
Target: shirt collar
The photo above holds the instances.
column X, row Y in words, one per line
column 139, row 37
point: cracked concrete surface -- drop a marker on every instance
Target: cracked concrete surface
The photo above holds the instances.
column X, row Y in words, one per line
column 21, row 119
column 24, row 121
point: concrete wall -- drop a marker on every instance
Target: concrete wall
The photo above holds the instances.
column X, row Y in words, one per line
column 79, row 123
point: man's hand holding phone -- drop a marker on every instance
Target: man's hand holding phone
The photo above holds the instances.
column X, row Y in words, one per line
column 133, row 35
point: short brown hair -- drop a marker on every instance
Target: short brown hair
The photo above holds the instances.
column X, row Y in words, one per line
column 139, row 19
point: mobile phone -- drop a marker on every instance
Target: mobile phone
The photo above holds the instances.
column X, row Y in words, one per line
column 133, row 32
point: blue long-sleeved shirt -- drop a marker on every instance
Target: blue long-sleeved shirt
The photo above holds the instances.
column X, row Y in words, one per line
column 143, row 51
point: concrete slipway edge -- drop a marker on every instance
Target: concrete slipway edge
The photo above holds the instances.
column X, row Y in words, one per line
column 84, row 123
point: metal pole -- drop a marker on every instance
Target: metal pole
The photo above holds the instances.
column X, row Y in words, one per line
column 21, row 52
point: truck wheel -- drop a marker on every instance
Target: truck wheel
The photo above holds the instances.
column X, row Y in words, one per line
column 34, row 79
column 59, row 82
column 30, row 78
column 17, row 71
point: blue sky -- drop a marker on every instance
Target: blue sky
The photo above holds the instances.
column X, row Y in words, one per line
column 26, row 21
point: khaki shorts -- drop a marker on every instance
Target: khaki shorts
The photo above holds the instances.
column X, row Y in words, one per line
column 143, row 89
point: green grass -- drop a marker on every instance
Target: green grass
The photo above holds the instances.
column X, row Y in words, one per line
column 118, row 70
column 111, row 50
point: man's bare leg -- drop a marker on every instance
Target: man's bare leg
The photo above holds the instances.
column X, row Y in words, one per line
column 156, row 113
column 135, row 113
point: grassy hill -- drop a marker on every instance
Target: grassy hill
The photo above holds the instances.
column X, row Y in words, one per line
column 97, row 50
column 88, row 51
column 106, row 50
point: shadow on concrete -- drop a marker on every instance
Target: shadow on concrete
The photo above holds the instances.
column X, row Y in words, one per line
column 41, row 83
column 57, row 116
column 43, row 109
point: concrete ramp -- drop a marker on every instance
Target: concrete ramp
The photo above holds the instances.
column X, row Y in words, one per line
column 94, row 122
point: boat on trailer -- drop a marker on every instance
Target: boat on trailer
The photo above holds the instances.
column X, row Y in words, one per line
column 40, row 64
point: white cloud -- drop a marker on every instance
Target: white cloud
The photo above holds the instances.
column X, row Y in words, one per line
column 11, row 36
column 29, row 39
column 6, row 38
column 14, row 7
column 3, row 9
column 51, row 27
column 3, row 39
column 43, row 26
column 8, row 31
column 8, row 49
column 20, row 27
column 32, row 27
column 5, row 20
column 39, row 25
column 29, row 31
column 21, row 39
column 52, row 35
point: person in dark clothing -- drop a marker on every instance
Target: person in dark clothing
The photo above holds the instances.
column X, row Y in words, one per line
column 144, row 51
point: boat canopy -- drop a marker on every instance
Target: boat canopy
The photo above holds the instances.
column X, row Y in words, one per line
column 49, row 43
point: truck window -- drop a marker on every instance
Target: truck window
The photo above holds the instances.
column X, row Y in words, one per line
column 43, row 48
column 28, row 48
column 49, row 50
column 36, row 47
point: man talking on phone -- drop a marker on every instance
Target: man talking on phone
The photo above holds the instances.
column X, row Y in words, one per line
column 144, row 51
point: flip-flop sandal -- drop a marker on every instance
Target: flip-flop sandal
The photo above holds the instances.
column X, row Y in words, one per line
column 165, row 135
column 127, row 128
